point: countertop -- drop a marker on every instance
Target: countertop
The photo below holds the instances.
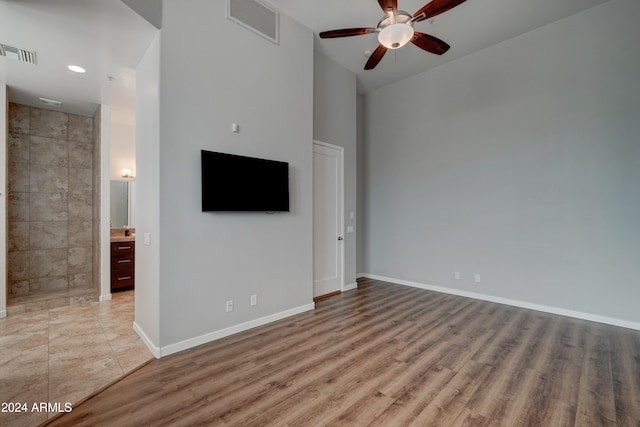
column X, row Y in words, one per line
column 123, row 239
column 117, row 235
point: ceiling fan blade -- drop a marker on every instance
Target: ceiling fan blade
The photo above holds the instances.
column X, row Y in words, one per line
column 435, row 7
column 375, row 57
column 389, row 4
column 347, row 32
column 429, row 43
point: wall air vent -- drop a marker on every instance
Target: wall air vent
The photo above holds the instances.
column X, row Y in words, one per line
column 18, row 54
column 256, row 16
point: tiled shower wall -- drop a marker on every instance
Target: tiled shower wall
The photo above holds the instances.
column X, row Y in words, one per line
column 50, row 211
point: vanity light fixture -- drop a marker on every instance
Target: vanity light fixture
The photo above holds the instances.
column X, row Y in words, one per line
column 126, row 173
column 76, row 69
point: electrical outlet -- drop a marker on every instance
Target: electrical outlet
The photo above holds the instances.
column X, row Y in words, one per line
column 456, row 275
column 229, row 306
column 254, row 299
column 477, row 278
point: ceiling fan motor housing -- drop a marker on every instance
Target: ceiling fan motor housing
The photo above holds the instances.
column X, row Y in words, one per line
column 401, row 17
column 395, row 30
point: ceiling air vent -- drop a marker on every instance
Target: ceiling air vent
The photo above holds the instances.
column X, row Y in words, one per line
column 18, row 54
column 256, row 16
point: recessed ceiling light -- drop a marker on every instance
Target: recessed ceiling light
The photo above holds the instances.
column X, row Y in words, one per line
column 77, row 69
column 51, row 102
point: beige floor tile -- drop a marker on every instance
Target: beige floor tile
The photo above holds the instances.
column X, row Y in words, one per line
column 67, row 378
column 133, row 357
column 26, row 381
column 65, row 354
column 22, row 339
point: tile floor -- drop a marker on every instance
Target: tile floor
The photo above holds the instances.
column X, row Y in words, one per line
column 65, row 354
column 49, row 299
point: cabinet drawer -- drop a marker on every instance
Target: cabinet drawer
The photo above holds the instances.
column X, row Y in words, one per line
column 121, row 279
column 123, row 248
column 123, row 263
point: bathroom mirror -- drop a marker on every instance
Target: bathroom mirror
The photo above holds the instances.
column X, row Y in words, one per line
column 122, row 203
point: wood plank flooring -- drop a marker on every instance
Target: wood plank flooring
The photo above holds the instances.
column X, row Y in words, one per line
column 389, row 355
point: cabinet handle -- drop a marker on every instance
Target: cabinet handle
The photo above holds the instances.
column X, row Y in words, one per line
column 124, row 278
column 123, row 261
column 124, row 247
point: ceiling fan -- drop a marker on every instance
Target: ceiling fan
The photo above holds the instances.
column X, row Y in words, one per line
column 395, row 29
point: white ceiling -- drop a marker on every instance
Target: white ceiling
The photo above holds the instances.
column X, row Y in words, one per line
column 103, row 36
column 108, row 39
column 469, row 27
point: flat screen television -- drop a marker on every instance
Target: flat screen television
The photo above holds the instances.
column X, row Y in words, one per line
column 235, row 183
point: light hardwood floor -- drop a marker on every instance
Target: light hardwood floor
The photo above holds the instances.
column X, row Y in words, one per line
column 389, row 355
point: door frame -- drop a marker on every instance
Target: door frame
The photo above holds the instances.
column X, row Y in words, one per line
column 341, row 249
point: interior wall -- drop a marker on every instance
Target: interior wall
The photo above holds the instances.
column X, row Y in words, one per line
column 519, row 163
column 205, row 258
column 122, row 149
column 334, row 122
column 4, row 118
column 151, row 11
column 361, row 184
column 147, row 202
column 101, row 230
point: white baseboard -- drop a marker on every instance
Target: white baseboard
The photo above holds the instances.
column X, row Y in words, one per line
column 350, row 286
column 106, row 297
column 145, row 339
column 216, row 335
column 516, row 303
column 3, row 314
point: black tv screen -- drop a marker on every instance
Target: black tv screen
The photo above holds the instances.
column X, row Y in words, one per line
column 238, row 183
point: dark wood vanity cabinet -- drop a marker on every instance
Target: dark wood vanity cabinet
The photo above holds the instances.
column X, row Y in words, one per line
column 122, row 265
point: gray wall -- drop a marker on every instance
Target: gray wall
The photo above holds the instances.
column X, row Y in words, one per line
column 205, row 259
column 520, row 163
column 147, row 197
column 334, row 122
column 361, row 246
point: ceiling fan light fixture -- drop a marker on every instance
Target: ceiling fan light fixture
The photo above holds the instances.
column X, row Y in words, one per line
column 395, row 36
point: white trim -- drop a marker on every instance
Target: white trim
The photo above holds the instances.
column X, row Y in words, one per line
column 350, row 286
column 216, row 335
column 3, row 314
column 105, row 202
column 516, row 303
column 105, row 297
column 145, row 339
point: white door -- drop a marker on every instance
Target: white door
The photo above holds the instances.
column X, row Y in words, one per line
column 328, row 242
